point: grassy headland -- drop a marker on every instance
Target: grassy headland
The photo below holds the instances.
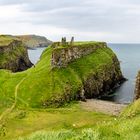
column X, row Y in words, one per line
column 40, row 85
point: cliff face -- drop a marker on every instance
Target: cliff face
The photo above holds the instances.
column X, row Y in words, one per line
column 104, row 81
column 13, row 54
column 137, row 88
column 61, row 57
column 101, row 79
column 34, row 41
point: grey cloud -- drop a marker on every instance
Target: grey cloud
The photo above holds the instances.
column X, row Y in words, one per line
column 9, row 2
column 114, row 16
column 89, row 16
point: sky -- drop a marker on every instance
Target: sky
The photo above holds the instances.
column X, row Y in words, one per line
column 112, row 21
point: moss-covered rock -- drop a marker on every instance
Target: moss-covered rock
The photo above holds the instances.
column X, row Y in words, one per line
column 137, row 88
column 13, row 54
column 62, row 56
column 104, row 81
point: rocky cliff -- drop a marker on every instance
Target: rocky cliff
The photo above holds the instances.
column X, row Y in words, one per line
column 137, row 87
column 62, row 56
column 13, row 54
column 34, row 41
column 101, row 79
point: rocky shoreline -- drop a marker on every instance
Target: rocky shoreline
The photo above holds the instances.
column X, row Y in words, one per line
column 106, row 107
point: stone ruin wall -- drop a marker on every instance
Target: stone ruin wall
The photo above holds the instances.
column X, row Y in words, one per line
column 61, row 57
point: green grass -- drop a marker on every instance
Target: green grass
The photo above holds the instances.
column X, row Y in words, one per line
column 71, row 123
column 74, row 123
column 132, row 110
column 43, row 85
column 6, row 40
column 71, row 117
column 85, row 134
column 29, row 121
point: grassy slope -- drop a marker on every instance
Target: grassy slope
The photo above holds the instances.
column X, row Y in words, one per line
column 41, row 83
column 72, row 119
column 24, row 122
column 72, row 123
column 5, row 40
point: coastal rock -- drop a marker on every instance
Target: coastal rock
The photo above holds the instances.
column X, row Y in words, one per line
column 101, row 81
column 13, row 54
column 105, row 81
column 34, row 41
column 61, row 57
column 137, row 87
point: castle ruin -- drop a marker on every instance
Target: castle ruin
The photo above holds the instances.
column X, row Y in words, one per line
column 66, row 52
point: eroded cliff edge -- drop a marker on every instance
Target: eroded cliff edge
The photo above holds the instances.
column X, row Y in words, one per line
column 13, row 54
column 101, row 79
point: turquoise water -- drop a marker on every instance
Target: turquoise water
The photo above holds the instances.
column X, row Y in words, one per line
column 128, row 55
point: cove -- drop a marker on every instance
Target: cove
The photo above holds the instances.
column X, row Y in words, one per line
column 129, row 57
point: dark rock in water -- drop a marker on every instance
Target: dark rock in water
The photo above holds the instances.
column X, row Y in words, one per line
column 13, row 54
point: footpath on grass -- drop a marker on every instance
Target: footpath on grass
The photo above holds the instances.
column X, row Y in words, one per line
column 106, row 107
column 7, row 111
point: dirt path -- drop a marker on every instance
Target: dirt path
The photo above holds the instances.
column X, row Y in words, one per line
column 102, row 106
column 7, row 111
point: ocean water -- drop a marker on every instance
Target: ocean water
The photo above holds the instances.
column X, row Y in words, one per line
column 34, row 54
column 129, row 57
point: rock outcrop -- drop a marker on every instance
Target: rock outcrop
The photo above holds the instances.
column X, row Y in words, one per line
column 34, row 41
column 13, row 54
column 104, row 81
column 61, row 57
column 137, row 88
column 100, row 81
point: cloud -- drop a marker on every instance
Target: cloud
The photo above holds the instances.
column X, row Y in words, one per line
column 107, row 20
